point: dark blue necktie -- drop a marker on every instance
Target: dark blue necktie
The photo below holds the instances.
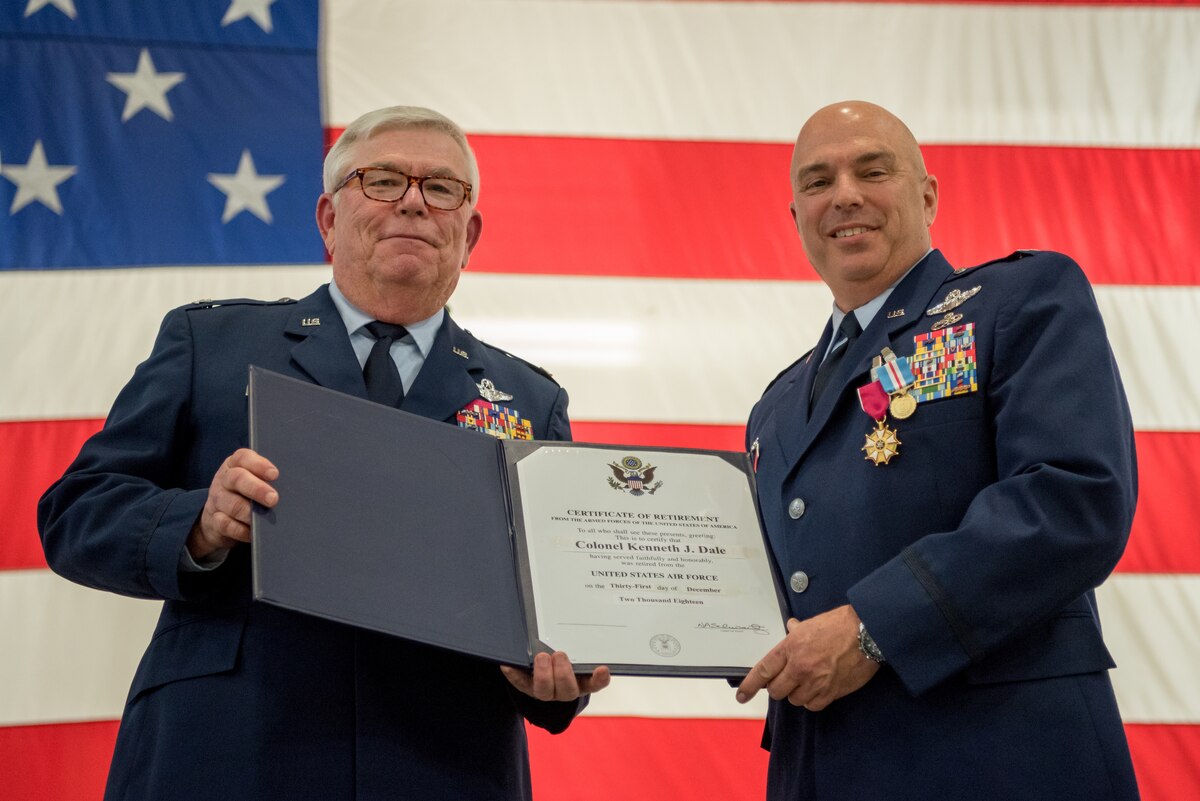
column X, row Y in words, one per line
column 847, row 332
column 380, row 373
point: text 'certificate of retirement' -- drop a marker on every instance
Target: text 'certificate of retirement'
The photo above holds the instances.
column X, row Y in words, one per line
column 647, row 561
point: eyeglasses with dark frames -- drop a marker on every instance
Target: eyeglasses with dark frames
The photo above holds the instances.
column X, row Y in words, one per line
column 389, row 186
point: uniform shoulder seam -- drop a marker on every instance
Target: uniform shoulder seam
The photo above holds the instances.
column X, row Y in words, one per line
column 537, row 369
column 1016, row 255
column 209, row 303
column 785, row 371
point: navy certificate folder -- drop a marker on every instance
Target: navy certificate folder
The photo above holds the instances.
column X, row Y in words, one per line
column 388, row 520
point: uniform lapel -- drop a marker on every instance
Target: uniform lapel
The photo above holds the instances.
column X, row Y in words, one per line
column 795, row 401
column 445, row 383
column 904, row 309
column 443, row 386
column 323, row 349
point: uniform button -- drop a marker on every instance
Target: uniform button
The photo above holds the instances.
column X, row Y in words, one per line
column 799, row 581
column 796, row 508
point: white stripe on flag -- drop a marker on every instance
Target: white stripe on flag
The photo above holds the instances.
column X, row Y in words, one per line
column 1020, row 73
column 695, row 351
column 78, row 649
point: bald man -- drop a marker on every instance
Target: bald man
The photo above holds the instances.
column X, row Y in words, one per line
column 945, row 479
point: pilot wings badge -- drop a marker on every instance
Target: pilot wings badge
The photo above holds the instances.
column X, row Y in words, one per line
column 488, row 391
column 955, row 299
column 632, row 475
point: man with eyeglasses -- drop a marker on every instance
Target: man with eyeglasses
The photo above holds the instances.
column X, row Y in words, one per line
column 236, row 700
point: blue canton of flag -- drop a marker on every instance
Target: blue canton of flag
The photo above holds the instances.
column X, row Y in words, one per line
column 138, row 132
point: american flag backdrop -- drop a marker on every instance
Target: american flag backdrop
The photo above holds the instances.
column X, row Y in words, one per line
column 636, row 243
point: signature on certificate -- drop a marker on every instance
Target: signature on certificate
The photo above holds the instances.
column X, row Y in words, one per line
column 754, row 628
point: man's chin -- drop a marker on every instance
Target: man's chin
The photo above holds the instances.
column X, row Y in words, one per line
column 400, row 245
column 856, row 266
column 412, row 276
column 403, row 265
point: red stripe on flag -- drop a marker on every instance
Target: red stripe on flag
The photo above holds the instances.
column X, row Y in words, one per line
column 1166, row 760
column 1076, row 200
column 647, row 208
column 1166, row 526
column 58, row 762
column 1165, row 538
column 33, row 454
column 658, row 758
column 582, row 206
column 679, row 758
column 665, row 435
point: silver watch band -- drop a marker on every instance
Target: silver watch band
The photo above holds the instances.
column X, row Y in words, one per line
column 866, row 644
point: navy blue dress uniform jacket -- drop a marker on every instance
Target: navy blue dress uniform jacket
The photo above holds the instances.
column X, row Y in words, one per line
column 971, row 556
column 238, row 700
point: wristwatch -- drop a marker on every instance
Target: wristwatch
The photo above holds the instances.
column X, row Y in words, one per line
column 867, row 645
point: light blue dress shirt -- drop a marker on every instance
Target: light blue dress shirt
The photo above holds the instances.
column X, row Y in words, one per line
column 866, row 312
column 408, row 353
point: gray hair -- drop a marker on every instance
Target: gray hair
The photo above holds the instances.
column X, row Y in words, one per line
column 337, row 162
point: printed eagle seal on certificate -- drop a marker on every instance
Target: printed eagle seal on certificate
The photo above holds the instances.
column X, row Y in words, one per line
column 633, row 476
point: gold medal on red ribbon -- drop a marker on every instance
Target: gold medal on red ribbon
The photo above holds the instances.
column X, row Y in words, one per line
column 882, row 443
